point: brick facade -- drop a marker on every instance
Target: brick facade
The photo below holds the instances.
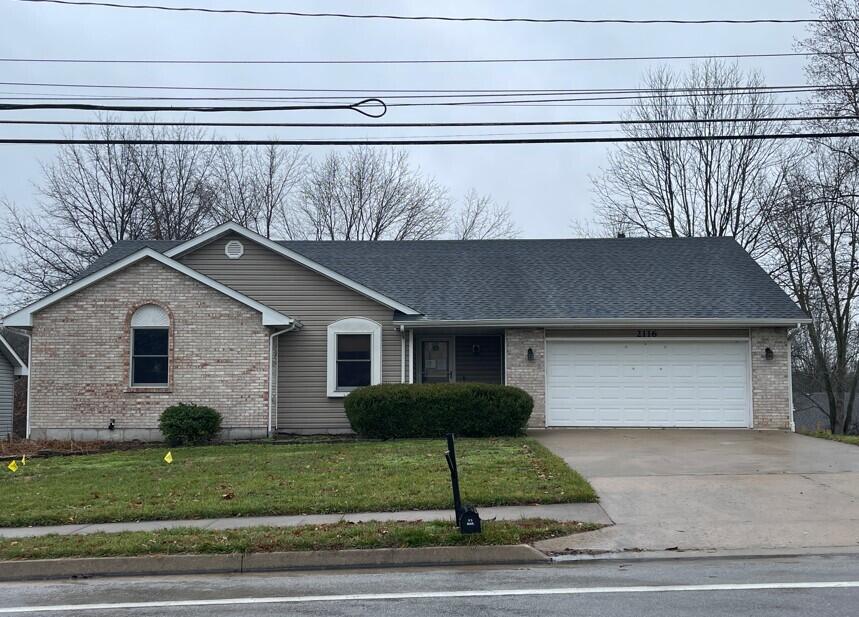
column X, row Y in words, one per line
column 81, row 350
column 525, row 374
column 770, row 378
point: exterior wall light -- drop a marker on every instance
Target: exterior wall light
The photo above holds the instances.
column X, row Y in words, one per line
column 530, row 355
column 768, row 353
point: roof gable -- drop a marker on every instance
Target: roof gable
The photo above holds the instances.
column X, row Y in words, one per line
column 24, row 317
column 283, row 250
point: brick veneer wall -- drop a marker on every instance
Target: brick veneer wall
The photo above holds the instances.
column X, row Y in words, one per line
column 81, row 349
column 530, row 376
column 770, row 378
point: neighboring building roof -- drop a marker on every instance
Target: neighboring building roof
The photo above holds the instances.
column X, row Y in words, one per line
column 24, row 317
column 11, row 356
column 646, row 279
column 19, row 343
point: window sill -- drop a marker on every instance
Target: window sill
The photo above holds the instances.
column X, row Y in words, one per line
column 149, row 390
column 339, row 394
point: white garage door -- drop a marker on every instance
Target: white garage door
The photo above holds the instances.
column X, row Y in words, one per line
column 647, row 383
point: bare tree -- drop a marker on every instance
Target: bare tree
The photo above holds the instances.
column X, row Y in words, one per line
column 834, row 65
column 91, row 197
column 257, row 188
column 367, row 194
column 695, row 187
column 175, row 180
column 481, row 218
column 814, row 234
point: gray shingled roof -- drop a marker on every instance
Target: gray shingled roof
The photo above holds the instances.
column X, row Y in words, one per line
column 625, row 278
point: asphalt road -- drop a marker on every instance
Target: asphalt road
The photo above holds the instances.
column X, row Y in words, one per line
column 812, row 585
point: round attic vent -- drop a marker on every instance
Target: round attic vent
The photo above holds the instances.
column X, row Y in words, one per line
column 234, row 249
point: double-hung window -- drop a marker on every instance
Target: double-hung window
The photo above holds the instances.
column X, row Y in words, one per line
column 150, row 347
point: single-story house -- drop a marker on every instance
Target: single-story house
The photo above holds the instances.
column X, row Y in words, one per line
column 626, row 332
column 13, row 383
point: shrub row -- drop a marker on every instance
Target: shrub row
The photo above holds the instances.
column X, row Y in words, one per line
column 391, row 411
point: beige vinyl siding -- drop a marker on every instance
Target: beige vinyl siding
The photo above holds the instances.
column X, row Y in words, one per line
column 7, row 381
column 316, row 301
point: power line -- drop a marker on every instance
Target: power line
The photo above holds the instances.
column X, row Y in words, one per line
column 524, row 123
column 364, row 107
column 424, row 142
column 531, row 20
column 427, row 93
column 416, row 61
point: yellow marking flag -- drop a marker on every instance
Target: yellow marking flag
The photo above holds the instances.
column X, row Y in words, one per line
column 13, row 466
column 24, row 459
column 168, row 458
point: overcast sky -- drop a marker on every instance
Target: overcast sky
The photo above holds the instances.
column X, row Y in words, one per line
column 546, row 186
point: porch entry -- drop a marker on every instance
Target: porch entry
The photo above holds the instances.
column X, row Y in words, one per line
column 460, row 358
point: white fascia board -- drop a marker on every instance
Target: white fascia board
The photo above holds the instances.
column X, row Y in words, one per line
column 10, row 352
column 608, row 323
column 226, row 228
column 24, row 317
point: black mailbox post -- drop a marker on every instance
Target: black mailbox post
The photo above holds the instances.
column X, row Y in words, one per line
column 467, row 518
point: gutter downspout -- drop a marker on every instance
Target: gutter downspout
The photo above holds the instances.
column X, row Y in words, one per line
column 271, row 375
column 402, row 354
column 790, row 374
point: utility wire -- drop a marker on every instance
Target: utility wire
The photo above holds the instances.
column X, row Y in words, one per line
column 54, row 122
column 309, row 100
column 365, row 107
column 428, row 93
column 425, row 142
column 415, row 61
column 531, row 20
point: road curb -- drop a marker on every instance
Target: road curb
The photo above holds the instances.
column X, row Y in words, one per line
column 758, row 553
column 41, row 569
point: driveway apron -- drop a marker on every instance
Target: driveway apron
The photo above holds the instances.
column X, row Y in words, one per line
column 712, row 489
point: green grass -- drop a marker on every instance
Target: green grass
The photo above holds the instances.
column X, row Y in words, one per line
column 268, row 479
column 853, row 440
column 337, row 536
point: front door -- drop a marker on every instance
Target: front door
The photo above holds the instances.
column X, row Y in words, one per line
column 435, row 362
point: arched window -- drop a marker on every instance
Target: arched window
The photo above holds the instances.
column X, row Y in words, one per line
column 150, row 345
column 354, row 355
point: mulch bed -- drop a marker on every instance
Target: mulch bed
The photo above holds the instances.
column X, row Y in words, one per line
column 32, row 448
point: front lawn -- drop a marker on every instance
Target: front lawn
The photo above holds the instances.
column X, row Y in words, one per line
column 853, row 440
column 270, row 479
column 272, row 539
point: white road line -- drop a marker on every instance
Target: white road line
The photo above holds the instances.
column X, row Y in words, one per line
column 477, row 593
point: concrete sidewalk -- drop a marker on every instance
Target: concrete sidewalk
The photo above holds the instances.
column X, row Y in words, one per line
column 567, row 512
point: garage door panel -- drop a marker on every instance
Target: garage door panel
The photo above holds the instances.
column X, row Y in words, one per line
column 667, row 383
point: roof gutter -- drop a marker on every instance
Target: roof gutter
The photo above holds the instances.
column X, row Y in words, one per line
column 598, row 322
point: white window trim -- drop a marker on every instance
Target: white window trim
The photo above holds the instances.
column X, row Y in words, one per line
column 354, row 325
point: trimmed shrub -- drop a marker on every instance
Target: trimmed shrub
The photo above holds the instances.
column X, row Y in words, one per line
column 187, row 423
column 390, row 411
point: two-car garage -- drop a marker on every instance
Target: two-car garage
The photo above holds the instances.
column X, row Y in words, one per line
column 648, row 382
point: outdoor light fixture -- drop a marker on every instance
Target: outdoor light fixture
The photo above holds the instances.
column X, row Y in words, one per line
column 530, row 355
column 768, row 353
column 111, row 426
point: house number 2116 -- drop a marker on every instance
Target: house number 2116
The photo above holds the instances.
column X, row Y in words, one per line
column 646, row 333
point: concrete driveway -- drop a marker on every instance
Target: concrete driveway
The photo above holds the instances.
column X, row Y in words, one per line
column 713, row 489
